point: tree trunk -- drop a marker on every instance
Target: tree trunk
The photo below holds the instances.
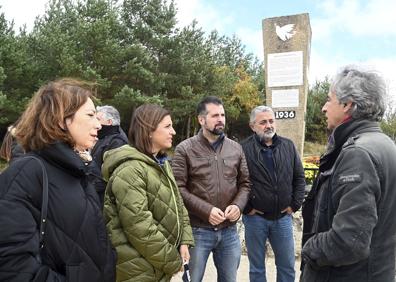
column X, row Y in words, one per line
column 188, row 127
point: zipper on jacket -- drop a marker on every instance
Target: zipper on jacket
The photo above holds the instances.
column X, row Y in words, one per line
column 278, row 209
column 176, row 207
column 218, row 180
column 275, row 166
column 274, row 185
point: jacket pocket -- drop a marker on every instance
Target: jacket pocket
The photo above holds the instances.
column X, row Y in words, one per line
column 230, row 167
column 200, row 168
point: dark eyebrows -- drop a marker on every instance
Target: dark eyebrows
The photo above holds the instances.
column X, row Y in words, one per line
column 217, row 114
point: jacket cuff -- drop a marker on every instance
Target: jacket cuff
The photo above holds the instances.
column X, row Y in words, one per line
column 295, row 207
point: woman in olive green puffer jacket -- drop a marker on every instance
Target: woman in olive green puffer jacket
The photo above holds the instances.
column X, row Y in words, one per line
column 144, row 212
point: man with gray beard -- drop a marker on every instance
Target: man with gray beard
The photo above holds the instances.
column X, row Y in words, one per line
column 277, row 190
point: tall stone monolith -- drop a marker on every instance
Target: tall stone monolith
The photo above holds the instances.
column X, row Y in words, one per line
column 287, row 42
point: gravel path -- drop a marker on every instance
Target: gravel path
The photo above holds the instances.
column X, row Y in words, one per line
column 243, row 271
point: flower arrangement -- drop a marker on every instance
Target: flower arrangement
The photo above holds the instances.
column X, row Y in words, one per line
column 311, row 166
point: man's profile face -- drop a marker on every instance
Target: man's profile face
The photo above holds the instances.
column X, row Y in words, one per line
column 335, row 112
column 264, row 125
column 214, row 120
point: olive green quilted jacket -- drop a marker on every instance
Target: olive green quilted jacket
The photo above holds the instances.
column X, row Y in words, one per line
column 145, row 216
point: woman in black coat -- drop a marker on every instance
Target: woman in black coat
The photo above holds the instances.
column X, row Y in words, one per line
column 57, row 128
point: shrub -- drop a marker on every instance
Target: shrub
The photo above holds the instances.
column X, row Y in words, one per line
column 310, row 164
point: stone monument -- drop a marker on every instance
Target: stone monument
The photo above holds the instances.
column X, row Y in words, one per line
column 287, row 42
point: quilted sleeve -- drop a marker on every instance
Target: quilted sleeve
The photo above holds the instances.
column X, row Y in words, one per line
column 187, row 236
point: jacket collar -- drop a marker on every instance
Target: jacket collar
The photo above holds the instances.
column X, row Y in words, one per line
column 206, row 142
column 161, row 159
column 340, row 135
column 62, row 155
column 108, row 130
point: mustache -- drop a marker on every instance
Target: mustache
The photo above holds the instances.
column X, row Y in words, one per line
column 220, row 124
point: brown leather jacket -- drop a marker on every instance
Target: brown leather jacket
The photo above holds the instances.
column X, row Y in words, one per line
column 209, row 178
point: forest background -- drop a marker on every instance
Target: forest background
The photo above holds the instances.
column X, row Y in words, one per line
column 134, row 53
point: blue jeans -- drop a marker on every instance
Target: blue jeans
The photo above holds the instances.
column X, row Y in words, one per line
column 280, row 235
column 226, row 248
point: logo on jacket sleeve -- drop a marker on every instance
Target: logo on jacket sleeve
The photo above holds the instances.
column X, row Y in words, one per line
column 350, row 178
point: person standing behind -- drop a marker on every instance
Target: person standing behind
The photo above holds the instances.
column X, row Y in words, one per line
column 57, row 127
column 212, row 175
column 144, row 212
column 278, row 185
column 349, row 214
column 10, row 150
column 110, row 136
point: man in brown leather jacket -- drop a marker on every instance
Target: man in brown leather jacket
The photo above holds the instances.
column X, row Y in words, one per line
column 213, row 178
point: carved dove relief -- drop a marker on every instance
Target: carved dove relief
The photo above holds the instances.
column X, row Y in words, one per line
column 285, row 32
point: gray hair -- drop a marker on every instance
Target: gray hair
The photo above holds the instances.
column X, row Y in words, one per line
column 111, row 113
column 259, row 109
column 365, row 89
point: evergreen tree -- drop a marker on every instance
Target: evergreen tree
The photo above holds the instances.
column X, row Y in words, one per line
column 315, row 120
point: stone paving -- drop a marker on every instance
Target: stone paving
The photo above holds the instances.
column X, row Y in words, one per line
column 243, row 271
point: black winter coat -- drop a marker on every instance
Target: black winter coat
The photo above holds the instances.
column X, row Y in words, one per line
column 110, row 137
column 76, row 246
column 269, row 195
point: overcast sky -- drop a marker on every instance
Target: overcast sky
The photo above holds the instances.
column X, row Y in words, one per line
column 343, row 32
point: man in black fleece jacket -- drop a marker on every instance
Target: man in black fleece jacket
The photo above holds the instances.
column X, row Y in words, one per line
column 278, row 184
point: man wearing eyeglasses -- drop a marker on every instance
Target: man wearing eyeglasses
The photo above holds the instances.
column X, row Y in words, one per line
column 277, row 190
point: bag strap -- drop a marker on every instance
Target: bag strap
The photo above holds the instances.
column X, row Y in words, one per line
column 44, row 202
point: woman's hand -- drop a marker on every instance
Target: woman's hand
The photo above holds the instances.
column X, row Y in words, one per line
column 184, row 253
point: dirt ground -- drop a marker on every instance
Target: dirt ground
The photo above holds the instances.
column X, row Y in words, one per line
column 243, row 271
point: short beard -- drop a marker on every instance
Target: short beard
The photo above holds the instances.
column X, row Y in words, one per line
column 216, row 131
column 266, row 136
